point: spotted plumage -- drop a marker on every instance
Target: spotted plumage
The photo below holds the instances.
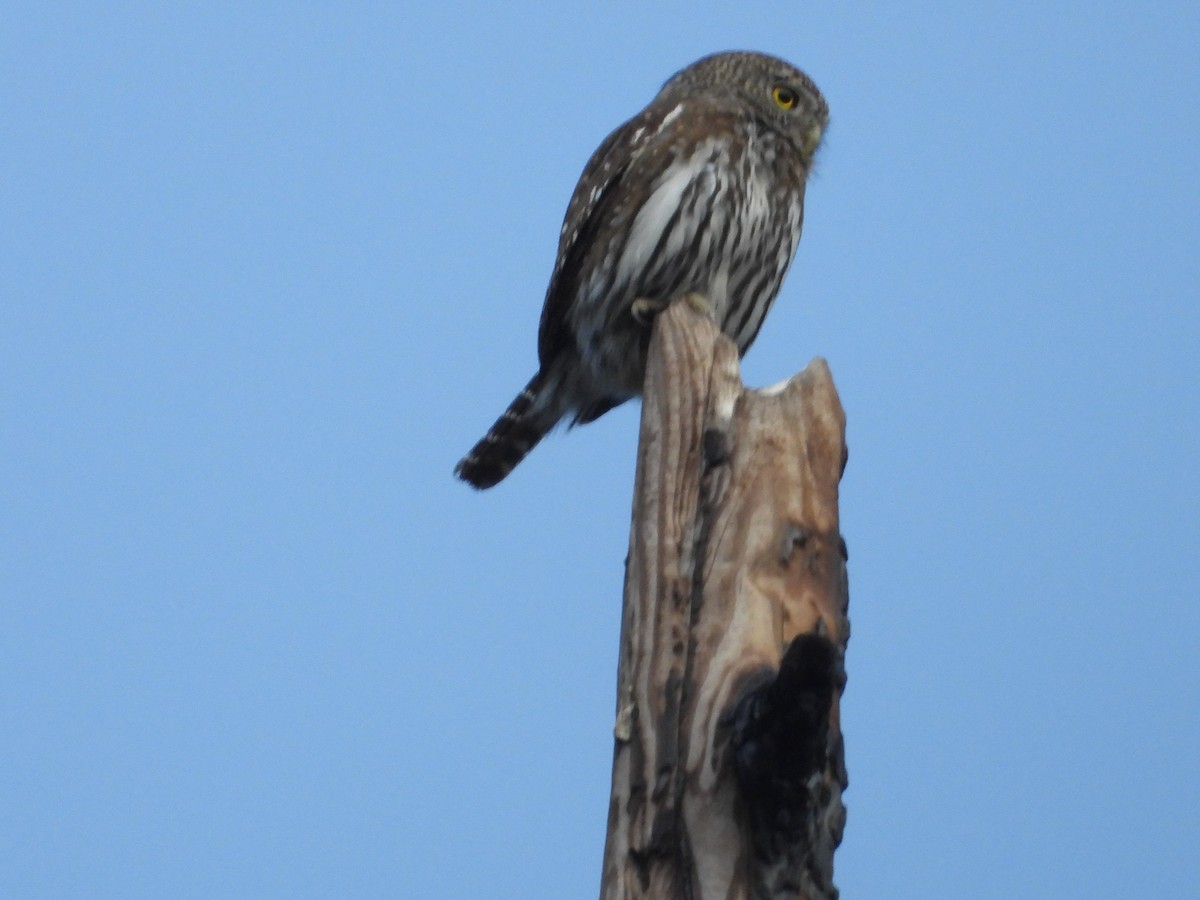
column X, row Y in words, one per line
column 702, row 191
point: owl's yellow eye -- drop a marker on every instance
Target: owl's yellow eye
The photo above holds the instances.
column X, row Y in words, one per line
column 785, row 97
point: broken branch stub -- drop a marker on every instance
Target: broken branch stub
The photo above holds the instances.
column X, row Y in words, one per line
column 728, row 768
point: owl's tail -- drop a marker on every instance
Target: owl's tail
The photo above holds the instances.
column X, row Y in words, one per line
column 526, row 421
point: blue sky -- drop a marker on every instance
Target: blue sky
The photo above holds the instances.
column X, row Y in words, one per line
column 268, row 271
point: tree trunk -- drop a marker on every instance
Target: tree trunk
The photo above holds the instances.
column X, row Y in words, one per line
column 728, row 768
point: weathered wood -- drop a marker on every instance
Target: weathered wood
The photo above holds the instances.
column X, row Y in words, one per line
column 728, row 766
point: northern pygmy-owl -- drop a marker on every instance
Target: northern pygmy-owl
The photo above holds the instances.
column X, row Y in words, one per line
column 702, row 191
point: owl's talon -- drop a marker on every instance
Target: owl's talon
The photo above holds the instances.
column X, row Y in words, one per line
column 698, row 302
column 644, row 310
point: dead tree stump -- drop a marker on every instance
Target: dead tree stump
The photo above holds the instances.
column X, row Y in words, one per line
column 728, row 768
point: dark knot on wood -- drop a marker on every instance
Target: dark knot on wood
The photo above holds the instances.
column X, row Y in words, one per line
column 781, row 741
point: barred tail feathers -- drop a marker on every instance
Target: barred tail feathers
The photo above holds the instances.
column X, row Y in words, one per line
column 526, row 421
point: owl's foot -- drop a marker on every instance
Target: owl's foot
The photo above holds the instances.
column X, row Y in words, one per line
column 644, row 310
column 698, row 302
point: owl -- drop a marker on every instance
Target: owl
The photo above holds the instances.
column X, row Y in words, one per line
column 701, row 192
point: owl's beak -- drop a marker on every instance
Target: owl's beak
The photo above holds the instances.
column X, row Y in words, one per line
column 812, row 138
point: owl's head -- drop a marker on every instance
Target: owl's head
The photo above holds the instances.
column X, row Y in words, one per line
column 773, row 90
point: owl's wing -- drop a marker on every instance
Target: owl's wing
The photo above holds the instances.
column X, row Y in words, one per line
column 597, row 193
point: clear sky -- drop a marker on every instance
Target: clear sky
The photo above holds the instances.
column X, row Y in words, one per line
column 268, row 270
